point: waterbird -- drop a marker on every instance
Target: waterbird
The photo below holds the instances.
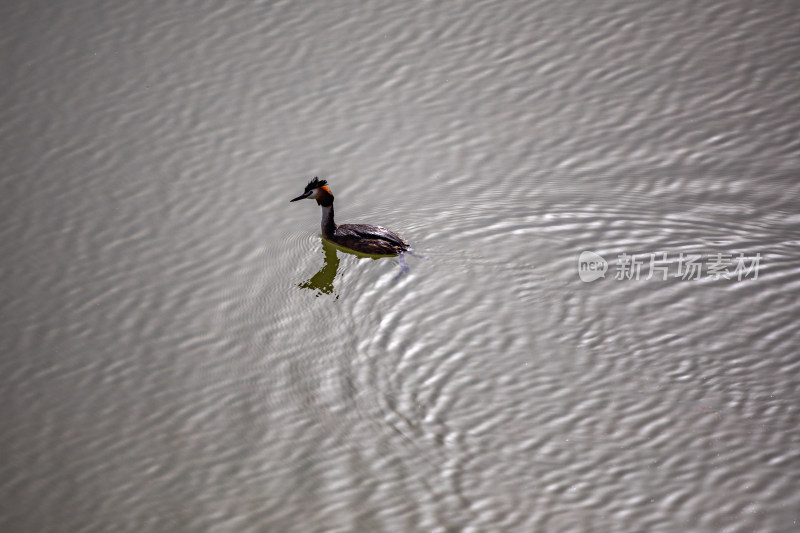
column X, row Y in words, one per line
column 360, row 238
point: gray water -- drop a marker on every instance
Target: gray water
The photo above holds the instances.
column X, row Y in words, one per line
column 181, row 351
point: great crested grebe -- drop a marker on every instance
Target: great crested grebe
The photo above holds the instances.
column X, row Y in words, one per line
column 362, row 238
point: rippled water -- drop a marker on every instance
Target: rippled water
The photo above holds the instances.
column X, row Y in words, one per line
column 181, row 352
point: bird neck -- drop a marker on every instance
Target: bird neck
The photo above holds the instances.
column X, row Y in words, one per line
column 328, row 225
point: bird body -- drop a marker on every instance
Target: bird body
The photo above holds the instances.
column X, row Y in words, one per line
column 362, row 238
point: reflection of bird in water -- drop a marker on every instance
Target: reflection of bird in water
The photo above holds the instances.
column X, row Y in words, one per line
column 362, row 238
column 322, row 281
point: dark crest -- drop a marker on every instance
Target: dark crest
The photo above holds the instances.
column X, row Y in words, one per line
column 316, row 182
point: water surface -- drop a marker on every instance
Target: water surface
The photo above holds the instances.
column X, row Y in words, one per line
column 182, row 352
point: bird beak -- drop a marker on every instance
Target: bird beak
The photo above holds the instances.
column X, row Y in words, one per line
column 304, row 195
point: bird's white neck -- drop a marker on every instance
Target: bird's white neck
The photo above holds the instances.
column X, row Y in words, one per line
column 328, row 225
